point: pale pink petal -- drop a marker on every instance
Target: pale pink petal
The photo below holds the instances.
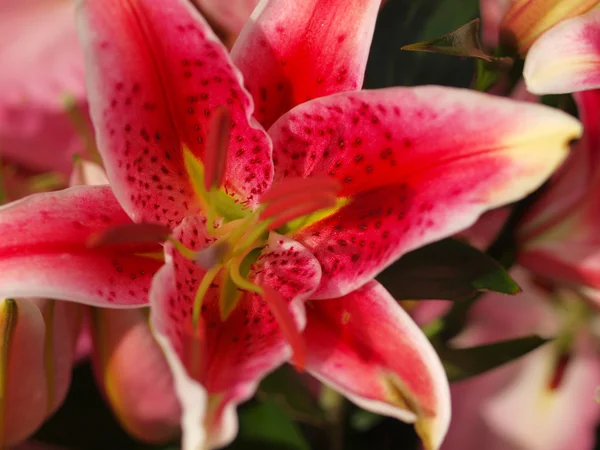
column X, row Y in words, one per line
column 156, row 73
column 84, row 341
column 23, row 393
column 134, row 375
column 291, row 52
column 367, row 347
column 63, row 324
column 237, row 353
column 574, row 179
column 485, row 231
column 495, row 317
column 566, row 58
column 415, row 165
column 43, row 252
column 38, row 341
column 42, row 63
column 492, row 12
column 531, row 416
column 87, row 173
column 526, row 20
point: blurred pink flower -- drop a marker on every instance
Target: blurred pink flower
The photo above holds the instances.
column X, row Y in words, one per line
column 42, row 74
column 545, row 400
column 518, row 23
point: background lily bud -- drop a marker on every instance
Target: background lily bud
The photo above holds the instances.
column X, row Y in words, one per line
column 526, row 20
column 36, row 355
column 132, row 371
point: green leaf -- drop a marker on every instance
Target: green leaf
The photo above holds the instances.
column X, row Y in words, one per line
column 446, row 270
column 464, row 41
column 461, row 363
column 285, row 388
column 404, row 21
column 266, row 426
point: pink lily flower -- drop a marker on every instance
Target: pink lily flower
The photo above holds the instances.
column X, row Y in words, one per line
column 544, row 400
column 518, row 23
column 279, row 225
column 36, row 129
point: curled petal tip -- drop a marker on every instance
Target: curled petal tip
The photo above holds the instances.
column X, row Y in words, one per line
column 566, row 58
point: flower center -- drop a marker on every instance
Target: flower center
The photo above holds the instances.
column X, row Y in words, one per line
column 241, row 234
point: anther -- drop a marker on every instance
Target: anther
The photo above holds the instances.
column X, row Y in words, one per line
column 134, row 233
column 300, row 185
column 215, row 157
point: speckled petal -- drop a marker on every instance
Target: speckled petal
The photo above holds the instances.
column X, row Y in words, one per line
column 415, row 164
column 292, row 52
column 156, row 73
column 248, row 344
column 43, row 251
column 367, row 347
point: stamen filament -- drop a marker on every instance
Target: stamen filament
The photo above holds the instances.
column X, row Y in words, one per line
column 207, row 280
column 185, row 252
column 251, row 238
column 299, row 211
column 241, row 282
column 194, row 348
column 286, row 322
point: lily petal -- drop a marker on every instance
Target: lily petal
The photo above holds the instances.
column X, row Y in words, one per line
column 291, row 52
column 38, row 346
column 492, row 12
column 22, row 374
column 132, row 370
column 368, row 348
column 532, row 416
column 566, row 58
column 526, row 20
column 572, row 182
column 35, row 128
column 44, row 254
column 63, row 323
column 156, row 73
column 236, row 353
column 416, row 165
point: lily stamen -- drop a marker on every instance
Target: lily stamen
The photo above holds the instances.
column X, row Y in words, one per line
column 215, row 159
column 286, row 322
column 315, row 185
